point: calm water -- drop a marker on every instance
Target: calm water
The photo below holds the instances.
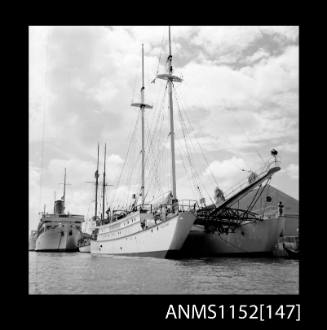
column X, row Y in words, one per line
column 82, row 273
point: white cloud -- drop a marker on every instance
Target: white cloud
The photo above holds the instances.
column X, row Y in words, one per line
column 104, row 91
column 228, row 42
column 225, row 39
column 289, row 147
column 276, row 74
column 260, row 54
column 244, row 107
column 246, row 88
column 288, row 32
column 227, row 172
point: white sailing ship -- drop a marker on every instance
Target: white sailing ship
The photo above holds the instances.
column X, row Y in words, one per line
column 59, row 231
column 147, row 230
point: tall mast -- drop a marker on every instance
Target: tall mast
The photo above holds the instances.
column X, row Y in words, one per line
column 170, row 79
column 142, row 106
column 54, row 202
column 171, row 110
column 104, row 183
column 96, row 187
column 64, row 196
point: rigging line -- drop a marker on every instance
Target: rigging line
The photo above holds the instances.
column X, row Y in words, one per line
column 135, row 164
column 228, row 140
column 126, row 157
column 151, row 151
column 184, row 131
column 155, row 156
column 184, row 128
column 42, row 155
column 198, row 181
column 265, row 203
column 255, row 198
column 132, row 159
column 184, row 113
column 153, row 182
column 263, row 189
column 195, row 173
column 156, row 160
column 251, row 204
column 154, row 179
column 195, row 191
column 162, row 39
column 152, row 114
column 155, row 151
column 154, row 131
column 45, row 106
column 132, row 178
column 130, row 183
column 187, row 132
column 130, row 169
column 157, row 166
column 193, row 177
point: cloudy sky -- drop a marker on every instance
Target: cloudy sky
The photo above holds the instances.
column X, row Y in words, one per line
column 239, row 95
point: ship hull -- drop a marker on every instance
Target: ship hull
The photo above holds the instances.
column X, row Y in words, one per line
column 163, row 240
column 58, row 240
column 252, row 238
column 85, row 249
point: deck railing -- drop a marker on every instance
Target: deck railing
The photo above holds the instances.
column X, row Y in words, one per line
column 185, row 205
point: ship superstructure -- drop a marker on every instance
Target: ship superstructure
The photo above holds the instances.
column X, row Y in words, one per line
column 59, row 231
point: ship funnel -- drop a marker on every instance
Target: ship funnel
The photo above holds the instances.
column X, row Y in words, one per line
column 59, row 207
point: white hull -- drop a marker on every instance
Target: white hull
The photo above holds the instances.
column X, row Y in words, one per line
column 250, row 238
column 162, row 240
column 58, row 239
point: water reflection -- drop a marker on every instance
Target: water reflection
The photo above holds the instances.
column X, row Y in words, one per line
column 71, row 273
